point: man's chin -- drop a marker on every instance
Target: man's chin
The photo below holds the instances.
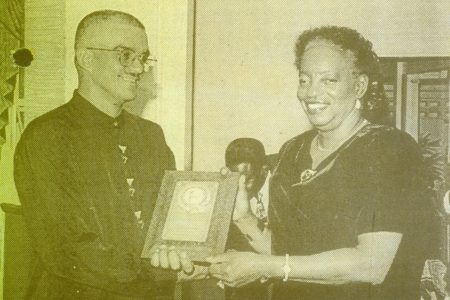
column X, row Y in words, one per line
column 129, row 97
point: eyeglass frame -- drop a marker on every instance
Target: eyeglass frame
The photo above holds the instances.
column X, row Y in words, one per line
column 145, row 64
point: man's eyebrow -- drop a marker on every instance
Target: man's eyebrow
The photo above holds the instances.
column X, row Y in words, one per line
column 122, row 47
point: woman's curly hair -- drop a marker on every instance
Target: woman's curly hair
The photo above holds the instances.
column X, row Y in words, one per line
column 373, row 102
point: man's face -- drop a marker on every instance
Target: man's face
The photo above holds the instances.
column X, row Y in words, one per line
column 327, row 84
column 255, row 176
column 109, row 78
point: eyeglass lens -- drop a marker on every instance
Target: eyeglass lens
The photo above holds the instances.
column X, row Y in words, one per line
column 127, row 57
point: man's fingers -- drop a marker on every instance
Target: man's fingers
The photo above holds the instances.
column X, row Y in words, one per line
column 163, row 257
column 174, row 260
column 155, row 258
column 169, row 258
column 186, row 264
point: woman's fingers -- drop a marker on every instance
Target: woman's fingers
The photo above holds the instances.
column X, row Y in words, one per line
column 220, row 266
column 215, row 270
column 219, row 258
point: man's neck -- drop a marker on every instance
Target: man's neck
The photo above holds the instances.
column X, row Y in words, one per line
column 100, row 102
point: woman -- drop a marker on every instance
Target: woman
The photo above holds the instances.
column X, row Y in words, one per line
column 348, row 205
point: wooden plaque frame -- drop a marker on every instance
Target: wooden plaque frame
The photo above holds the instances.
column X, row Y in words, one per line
column 181, row 200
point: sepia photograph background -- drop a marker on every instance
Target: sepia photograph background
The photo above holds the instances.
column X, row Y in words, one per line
column 225, row 69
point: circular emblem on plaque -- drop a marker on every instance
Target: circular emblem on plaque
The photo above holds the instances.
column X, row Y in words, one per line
column 195, row 199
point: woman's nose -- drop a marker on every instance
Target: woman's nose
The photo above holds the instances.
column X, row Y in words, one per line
column 314, row 89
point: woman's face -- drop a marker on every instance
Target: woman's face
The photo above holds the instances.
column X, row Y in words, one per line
column 328, row 84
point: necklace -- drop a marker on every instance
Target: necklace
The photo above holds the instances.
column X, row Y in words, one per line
column 308, row 174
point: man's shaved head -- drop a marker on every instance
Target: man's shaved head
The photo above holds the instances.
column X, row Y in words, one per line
column 98, row 17
column 99, row 40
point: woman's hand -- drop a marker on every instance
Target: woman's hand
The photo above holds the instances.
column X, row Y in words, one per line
column 237, row 269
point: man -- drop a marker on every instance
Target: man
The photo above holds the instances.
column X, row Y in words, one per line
column 88, row 172
column 248, row 156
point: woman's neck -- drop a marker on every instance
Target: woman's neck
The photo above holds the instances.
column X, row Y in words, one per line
column 332, row 139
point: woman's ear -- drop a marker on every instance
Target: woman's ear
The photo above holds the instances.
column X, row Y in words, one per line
column 361, row 85
column 84, row 59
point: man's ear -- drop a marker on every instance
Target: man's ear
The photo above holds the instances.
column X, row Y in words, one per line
column 361, row 84
column 84, row 59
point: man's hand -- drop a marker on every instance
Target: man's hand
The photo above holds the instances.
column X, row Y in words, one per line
column 242, row 204
column 169, row 258
column 237, row 269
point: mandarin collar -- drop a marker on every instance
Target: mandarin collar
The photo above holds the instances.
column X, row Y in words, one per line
column 91, row 115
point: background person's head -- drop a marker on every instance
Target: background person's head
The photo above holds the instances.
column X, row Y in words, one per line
column 248, row 156
column 111, row 50
column 357, row 56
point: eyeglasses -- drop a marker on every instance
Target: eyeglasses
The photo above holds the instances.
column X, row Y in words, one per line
column 128, row 56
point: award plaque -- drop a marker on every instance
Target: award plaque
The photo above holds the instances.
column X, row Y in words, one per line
column 193, row 213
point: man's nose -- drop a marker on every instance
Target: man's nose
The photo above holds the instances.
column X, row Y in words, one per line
column 136, row 67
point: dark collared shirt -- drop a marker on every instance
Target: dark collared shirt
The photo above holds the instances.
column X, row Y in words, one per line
column 88, row 184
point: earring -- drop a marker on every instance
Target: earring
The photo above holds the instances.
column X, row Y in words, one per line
column 358, row 104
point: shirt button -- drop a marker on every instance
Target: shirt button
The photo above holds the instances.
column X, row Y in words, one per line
column 77, row 291
column 74, row 267
column 116, row 124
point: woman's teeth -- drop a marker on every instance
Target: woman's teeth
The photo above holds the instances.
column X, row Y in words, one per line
column 316, row 106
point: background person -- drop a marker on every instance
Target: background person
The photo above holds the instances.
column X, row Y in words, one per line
column 248, row 156
column 245, row 155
